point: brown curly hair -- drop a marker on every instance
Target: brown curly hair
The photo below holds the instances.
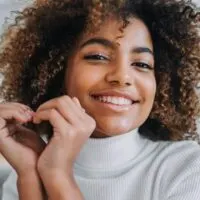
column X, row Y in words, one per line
column 35, row 50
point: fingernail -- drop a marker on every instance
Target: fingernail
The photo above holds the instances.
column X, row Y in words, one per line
column 29, row 114
column 29, row 109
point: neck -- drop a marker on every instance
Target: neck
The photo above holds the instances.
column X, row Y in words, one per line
column 98, row 134
column 111, row 152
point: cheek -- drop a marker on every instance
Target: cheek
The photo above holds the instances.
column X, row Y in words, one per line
column 149, row 89
column 81, row 79
column 74, row 82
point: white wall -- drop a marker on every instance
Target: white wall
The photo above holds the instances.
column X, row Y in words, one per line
column 6, row 6
column 197, row 2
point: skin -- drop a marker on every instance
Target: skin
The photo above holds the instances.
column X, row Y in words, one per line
column 23, row 151
column 73, row 119
column 117, row 69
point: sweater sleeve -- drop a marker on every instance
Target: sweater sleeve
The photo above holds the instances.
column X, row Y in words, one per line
column 189, row 188
column 9, row 191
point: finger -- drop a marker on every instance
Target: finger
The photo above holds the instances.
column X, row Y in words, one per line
column 13, row 147
column 9, row 148
column 56, row 101
column 66, row 107
column 17, row 114
column 11, row 128
column 13, row 105
column 54, row 117
column 2, row 123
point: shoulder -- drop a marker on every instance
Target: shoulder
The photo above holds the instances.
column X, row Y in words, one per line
column 181, row 150
column 179, row 169
column 181, row 155
column 169, row 151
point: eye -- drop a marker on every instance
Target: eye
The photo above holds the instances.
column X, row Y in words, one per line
column 143, row 66
column 96, row 57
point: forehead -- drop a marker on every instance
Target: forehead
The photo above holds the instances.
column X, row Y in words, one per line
column 135, row 33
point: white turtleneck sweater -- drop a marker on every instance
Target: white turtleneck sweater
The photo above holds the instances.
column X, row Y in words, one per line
column 130, row 167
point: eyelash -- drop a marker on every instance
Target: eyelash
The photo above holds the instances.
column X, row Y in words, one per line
column 96, row 57
column 142, row 65
column 100, row 57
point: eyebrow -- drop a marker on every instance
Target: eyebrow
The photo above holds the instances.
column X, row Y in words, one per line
column 100, row 41
column 142, row 50
column 110, row 44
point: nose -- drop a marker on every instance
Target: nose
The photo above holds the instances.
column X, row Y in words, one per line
column 120, row 75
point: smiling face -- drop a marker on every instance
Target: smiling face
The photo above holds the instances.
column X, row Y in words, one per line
column 112, row 75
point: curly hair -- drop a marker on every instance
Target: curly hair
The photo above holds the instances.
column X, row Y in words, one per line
column 35, row 50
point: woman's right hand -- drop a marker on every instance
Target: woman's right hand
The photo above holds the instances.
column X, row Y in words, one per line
column 20, row 146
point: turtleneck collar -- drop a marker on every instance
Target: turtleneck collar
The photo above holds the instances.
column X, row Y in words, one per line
column 111, row 152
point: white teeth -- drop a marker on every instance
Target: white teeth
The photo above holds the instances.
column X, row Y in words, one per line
column 114, row 100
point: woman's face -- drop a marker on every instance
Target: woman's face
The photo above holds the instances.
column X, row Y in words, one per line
column 111, row 72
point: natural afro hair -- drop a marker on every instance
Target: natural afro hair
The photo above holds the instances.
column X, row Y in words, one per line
column 35, row 50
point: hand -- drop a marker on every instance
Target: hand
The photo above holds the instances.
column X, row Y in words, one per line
column 72, row 126
column 20, row 146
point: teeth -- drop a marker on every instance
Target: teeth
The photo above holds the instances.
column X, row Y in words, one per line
column 114, row 100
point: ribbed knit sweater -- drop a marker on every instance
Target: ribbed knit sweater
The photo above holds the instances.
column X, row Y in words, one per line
column 130, row 167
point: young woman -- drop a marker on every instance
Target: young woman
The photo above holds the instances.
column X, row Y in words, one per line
column 112, row 85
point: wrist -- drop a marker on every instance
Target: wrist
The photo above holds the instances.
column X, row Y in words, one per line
column 49, row 175
column 62, row 187
column 56, row 179
column 22, row 173
column 30, row 187
column 28, row 176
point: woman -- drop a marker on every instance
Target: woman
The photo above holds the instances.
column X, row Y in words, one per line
column 112, row 84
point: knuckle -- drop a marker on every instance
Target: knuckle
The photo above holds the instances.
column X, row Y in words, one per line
column 66, row 98
column 92, row 123
column 19, row 111
column 52, row 113
column 2, row 123
column 61, row 101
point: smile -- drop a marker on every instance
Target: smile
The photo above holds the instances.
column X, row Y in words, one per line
column 114, row 100
column 114, row 103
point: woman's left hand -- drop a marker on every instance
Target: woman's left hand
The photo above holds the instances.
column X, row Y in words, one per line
column 72, row 126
